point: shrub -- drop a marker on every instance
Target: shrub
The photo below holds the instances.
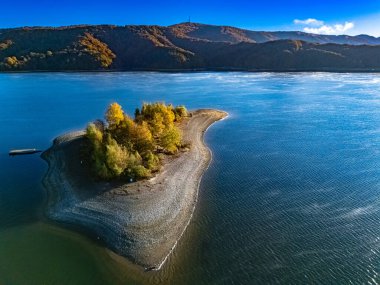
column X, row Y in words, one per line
column 151, row 161
column 140, row 172
column 180, row 113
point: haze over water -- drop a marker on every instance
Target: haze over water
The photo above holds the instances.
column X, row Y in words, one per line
column 292, row 195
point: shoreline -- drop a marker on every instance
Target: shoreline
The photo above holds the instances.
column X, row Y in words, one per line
column 142, row 221
column 196, row 197
column 201, row 70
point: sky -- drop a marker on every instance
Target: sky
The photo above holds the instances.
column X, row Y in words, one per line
column 318, row 16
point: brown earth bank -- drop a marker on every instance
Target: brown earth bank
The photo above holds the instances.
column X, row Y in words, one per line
column 143, row 220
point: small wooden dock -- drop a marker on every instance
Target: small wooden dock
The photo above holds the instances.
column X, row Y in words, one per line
column 23, row 151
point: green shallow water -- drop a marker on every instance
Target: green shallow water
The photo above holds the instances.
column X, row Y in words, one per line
column 44, row 254
column 292, row 195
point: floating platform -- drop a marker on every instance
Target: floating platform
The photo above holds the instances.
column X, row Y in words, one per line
column 24, row 151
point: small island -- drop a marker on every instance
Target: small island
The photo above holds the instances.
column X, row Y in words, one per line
column 133, row 183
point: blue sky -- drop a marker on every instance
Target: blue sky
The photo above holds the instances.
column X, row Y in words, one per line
column 319, row 16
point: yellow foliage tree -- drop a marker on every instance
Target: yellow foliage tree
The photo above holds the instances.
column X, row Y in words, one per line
column 142, row 138
column 158, row 116
column 157, row 124
column 114, row 115
column 122, row 133
column 11, row 61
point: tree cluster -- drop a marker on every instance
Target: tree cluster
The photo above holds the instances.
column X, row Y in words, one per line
column 54, row 49
column 98, row 49
column 6, row 44
column 123, row 147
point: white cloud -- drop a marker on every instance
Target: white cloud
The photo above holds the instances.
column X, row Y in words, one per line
column 315, row 26
column 368, row 24
column 309, row 22
column 330, row 29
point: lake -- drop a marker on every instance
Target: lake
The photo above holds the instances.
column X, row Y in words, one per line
column 292, row 195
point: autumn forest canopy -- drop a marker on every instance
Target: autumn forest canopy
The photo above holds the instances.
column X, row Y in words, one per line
column 185, row 46
column 122, row 147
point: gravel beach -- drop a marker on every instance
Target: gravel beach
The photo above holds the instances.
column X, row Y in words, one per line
column 143, row 220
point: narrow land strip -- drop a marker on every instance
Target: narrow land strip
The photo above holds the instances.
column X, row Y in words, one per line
column 142, row 220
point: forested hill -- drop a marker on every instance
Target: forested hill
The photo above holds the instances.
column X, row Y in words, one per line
column 185, row 46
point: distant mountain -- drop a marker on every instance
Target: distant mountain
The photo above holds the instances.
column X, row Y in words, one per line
column 235, row 35
column 185, row 46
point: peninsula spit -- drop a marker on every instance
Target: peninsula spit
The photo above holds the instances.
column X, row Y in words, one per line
column 142, row 220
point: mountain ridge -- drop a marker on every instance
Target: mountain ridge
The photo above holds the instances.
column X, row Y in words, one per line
column 184, row 46
column 265, row 36
column 262, row 36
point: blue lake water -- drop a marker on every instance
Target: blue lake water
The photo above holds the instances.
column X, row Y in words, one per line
column 292, row 195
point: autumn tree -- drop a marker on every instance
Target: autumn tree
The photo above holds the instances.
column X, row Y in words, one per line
column 158, row 116
column 11, row 61
column 116, row 157
column 95, row 137
column 114, row 115
column 98, row 49
column 170, row 139
column 142, row 138
column 130, row 148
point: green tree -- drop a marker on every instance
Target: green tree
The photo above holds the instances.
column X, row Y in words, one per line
column 93, row 133
column 170, row 139
column 95, row 137
column 116, row 157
